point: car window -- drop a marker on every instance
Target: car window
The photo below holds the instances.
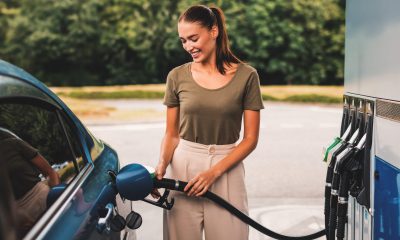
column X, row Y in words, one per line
column 42, row 130
column 41, row 154
column 75, row 146
column 96, row 146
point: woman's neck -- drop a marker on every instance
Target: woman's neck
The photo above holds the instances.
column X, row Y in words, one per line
column 208, row 65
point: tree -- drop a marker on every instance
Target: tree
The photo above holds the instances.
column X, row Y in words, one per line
column 299, row 42
column 104, row 42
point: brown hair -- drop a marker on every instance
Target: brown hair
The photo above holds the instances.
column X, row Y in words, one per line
column 209, row 17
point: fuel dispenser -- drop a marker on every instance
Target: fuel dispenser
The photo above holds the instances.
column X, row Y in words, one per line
column 363, row 175
column 348, row 173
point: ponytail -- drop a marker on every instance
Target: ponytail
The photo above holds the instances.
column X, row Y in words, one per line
column 210, row 17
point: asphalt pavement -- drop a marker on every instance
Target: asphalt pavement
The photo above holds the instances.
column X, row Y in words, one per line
column 284, row 175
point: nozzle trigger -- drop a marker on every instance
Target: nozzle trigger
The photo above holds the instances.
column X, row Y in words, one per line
column 162, row 201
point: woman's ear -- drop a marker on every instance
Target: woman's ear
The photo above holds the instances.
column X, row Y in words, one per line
column 214, row 32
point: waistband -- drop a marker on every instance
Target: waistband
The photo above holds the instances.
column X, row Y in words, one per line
column 207, row 149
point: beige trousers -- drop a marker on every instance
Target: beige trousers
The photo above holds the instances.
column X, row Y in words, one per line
column 190, row 216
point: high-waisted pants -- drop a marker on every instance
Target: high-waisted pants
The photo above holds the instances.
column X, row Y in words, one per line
column 190, row 216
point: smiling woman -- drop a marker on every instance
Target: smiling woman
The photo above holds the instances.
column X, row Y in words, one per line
column 206, row 100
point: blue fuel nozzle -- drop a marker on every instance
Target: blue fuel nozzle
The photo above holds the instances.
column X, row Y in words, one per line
column 134, row 182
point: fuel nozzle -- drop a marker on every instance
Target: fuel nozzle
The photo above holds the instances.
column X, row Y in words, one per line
column 135, row 182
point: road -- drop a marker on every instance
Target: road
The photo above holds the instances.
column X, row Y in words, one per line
column 284, row 175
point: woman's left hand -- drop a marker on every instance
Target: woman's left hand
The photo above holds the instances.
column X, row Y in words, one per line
column 201, row 183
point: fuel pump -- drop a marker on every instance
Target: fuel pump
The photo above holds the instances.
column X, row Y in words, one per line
column 334, row 151
column 351, row 167
column 336, row 176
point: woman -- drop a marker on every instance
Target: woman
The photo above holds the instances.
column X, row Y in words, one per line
column 205, row 101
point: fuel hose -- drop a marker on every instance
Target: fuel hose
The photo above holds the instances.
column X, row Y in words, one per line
column 177, row 185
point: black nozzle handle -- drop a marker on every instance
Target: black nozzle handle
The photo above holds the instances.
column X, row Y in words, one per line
column 170, row 184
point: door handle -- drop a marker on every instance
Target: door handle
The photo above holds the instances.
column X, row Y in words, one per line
column 104, row 222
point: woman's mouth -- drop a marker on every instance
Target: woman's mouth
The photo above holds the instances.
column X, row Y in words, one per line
column 195, row 54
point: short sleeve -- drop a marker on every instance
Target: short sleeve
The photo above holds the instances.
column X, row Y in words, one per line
column 171, row 98
column 252, row 96
column 26, row 150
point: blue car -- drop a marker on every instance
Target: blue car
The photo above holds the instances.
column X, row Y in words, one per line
column 56, row 178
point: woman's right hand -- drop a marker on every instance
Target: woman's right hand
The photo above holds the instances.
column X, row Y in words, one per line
column 159, row 174
column 160, row 170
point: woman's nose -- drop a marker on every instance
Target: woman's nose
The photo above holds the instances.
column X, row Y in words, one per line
column 188, row 47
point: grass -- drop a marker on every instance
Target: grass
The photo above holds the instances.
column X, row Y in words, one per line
column 303, row 94
column 85, row 108
column 313, row 98
column 115, row 95
column 305, row 98
column 93, row 111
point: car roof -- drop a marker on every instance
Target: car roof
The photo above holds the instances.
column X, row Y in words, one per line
column 8, row 69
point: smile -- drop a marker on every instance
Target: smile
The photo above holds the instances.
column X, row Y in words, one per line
column 195, row 53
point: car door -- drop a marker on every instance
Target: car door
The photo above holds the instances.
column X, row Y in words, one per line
column 83, row 164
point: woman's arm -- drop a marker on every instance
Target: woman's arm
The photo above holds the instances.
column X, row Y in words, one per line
column 44, row 167
column 202, row 182
column 169, row 142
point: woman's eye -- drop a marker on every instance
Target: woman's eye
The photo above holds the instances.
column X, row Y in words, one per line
column 195, row 40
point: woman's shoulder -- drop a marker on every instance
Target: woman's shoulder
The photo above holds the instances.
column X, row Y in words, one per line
column 246, row 68
column 179, row 69
column 246, row 73
column 178, row 74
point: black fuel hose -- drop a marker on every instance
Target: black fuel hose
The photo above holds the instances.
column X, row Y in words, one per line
column 342, row 205
column 180, row 185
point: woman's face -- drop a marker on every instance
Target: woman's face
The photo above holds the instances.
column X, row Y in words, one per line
column 198, row 41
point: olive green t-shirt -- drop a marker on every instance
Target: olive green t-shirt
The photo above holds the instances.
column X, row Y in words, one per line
column 212, row 116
